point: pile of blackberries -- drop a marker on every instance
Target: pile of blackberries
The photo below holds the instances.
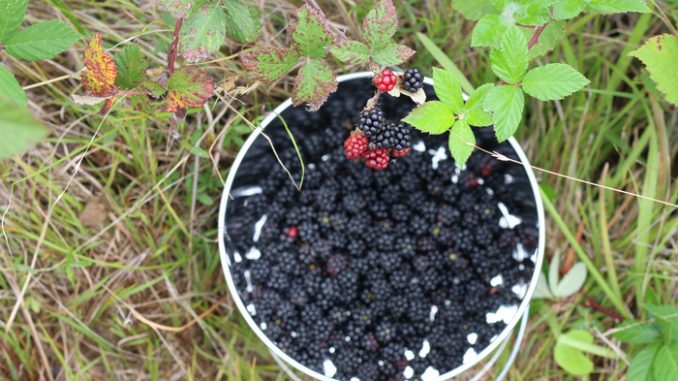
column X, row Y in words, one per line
column 385, row 275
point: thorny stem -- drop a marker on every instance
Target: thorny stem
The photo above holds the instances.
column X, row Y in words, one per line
column 173, row 48
column 535, row 36
column 593, row 304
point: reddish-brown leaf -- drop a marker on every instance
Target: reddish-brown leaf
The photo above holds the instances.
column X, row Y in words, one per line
column 99, row 78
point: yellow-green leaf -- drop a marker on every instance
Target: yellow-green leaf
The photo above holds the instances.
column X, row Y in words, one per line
column 660, row 56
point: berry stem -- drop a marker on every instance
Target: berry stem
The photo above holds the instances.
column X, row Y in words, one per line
column 173, row 48
column 535, row 36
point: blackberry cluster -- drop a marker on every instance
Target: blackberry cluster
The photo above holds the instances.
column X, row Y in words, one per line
column 371, row 122
column 399, row 257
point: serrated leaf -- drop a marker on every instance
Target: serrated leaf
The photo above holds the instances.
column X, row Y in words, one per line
column 18, row 129
column 203, row 33
column 553, row 81
column 568, row 9
column 667, row 321
column 542, row 290
column 380, row 25
column 525, row 12
column 461, row 142
column 637, row 332
column 11, row 15
column 99, row 78
column 311, row 33
column 666, row 363
column 448, row 90
column 188, row 86
column 572, row 359
column 640, row 368
column 242, row 22
column 509, row 61
column 552, row 34
column 506, row 105
column 572, row 281
column 175, row 7
column 352, row 52
column 474, row 109
column 10, row 87
column 618, row 6
column 473, row 10
column 489, row 31
column 41, row 41
column 392, row 54
column 314, row 83
column 432, row 117
column 270, row 64
column 131, row 64
column 660, row 54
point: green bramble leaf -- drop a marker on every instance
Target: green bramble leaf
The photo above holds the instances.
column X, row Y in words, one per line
column 448, row 90
column 10, row 87
column 203, row 33
column 489, row 31
column 461, row 142
column 642, row 363
column 474, row 111
column 380, row 25
column 311, row 33
column 660, row 54
column 617, row 6
column 506, row 105
column 666, row 318
column 432, row 117
column 392, row 54
column 636, row 332
column 131, row 65
column 568, row 9
column 18, row 129
column 352, row 52
column 525, row 12
column 314, row 83
column 666, row 362
column 11, row 15
column 510, row 60
column 553, row 81
column 270, row 64
column 572, row 359
column 175, row 7
column 242, row 22
column 473, row 10
column 552, row 34
column 41, row 41
column 187, row 87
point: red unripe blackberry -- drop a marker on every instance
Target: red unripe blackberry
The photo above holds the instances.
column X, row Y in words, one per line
column 293, row 232
column 377, row 158
column 401, row 153
column 385, row 81
column 355, row 146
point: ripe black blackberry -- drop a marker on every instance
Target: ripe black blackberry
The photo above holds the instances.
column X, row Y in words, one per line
column 401, row 136
column 371, row 122
column 413, row 80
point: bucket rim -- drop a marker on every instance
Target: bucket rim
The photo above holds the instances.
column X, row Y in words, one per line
column 225, row 260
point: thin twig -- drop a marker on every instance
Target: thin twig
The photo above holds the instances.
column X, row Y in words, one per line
column 605, row 311
column 173, row 48
column 535, row 36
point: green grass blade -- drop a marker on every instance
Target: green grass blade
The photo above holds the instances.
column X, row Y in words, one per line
column 600, row 280
column 446, row 62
